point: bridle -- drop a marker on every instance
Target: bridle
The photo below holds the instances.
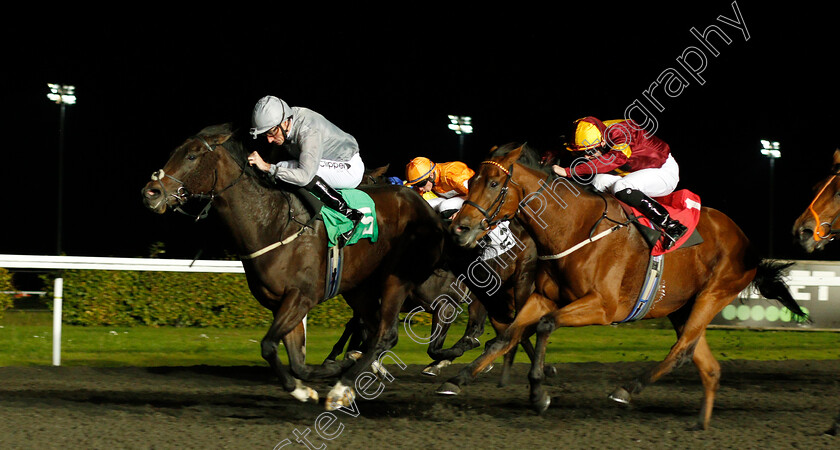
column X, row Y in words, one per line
column 489, row 221
column 183, row 195
column 829, row 225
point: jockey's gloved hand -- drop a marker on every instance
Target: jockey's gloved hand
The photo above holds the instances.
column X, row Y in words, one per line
column 394, row 180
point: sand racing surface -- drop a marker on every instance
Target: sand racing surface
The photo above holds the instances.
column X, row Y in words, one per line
column 761, row 404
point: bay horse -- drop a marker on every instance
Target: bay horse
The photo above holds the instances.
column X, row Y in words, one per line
column 815, row 227
column 500, row 285
column 288, row 278
column 597, row 283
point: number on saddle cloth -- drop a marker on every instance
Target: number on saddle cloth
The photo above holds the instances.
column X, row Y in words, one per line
column 336, row 223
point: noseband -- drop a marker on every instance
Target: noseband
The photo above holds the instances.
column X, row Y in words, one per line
column 820, row 225
column 489, row 221
column 182, row 195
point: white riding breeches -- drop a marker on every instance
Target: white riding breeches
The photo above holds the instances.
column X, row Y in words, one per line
column 651, row 182
column 337, row 174
column 441, row 204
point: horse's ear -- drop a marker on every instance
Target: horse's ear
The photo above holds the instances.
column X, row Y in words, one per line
column 220, row 138
column 837, row 156
column 495, row 147
column 513, row 156
column 379, row 171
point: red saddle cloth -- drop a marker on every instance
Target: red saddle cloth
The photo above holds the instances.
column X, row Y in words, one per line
column 682, row 205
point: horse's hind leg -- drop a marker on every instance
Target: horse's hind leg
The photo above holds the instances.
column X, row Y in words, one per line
column 835, row 428
column 710, row 375
column 393, row 295
column 352, row 329
column 691, row 340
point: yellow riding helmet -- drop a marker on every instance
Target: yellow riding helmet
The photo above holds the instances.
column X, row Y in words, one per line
column 417, row 170
column 588, row 134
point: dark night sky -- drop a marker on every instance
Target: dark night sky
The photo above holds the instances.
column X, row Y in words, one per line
column 144, row 86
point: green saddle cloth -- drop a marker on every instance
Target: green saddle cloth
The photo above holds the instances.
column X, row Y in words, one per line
column 337, row 223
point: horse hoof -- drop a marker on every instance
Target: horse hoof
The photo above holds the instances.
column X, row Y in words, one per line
column 542, row 403
column 434, row 369
column 620, row 395
column 381, row 372
column 431, row 370
column 340, row 396
column 550, row 371
column 354, row 355
column 488, row 368
column 304, row 393
column 698, row 427
column 448, row 389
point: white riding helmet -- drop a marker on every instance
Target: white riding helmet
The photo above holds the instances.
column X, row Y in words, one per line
column 269, row 112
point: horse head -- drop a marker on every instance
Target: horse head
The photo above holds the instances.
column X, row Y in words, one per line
column 493, row 196
column 195, row 169
column 816, row 226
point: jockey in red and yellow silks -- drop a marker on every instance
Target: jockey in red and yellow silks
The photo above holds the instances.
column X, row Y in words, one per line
column 447, row 180
column 621, row 158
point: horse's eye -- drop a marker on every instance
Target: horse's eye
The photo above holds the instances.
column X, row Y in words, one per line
column 192, row 157
column 494, row 183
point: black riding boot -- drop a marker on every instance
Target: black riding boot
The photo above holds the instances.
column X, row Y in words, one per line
column 672, row 229
column 333, row 199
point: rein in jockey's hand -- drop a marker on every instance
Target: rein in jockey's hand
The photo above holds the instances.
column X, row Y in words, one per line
column 255, row 159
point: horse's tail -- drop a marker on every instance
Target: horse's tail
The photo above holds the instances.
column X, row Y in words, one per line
column 769, row 281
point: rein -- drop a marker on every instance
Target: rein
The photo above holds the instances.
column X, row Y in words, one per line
column 591, row 239
column 183, row 195
column 490, row 220
column 829, row 225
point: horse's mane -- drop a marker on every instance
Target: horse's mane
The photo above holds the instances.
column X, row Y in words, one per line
column 531, row 158
column 237, row 146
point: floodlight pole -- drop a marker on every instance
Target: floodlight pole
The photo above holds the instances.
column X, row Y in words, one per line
column 63, row 95
column 461, row 125
column 771, row 150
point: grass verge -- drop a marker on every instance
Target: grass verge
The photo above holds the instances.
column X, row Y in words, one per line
column 26, row 339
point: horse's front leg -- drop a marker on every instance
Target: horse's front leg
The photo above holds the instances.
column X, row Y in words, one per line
column 288, row 326
column 536, row 307
column 469, row 341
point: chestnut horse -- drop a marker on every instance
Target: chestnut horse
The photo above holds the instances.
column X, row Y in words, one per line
column 598, row 281
column 286, row 252
column 815, row 227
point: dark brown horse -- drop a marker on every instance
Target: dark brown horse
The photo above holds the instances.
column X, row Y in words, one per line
column 597, row 284
column 500, row 285
column 815, row 227
column 288, row 275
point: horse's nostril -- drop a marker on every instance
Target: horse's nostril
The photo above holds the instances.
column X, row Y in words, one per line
column 152, row 193
column 806, row 232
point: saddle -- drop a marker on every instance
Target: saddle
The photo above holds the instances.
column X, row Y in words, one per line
column 682, row 205
column 336, row 223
